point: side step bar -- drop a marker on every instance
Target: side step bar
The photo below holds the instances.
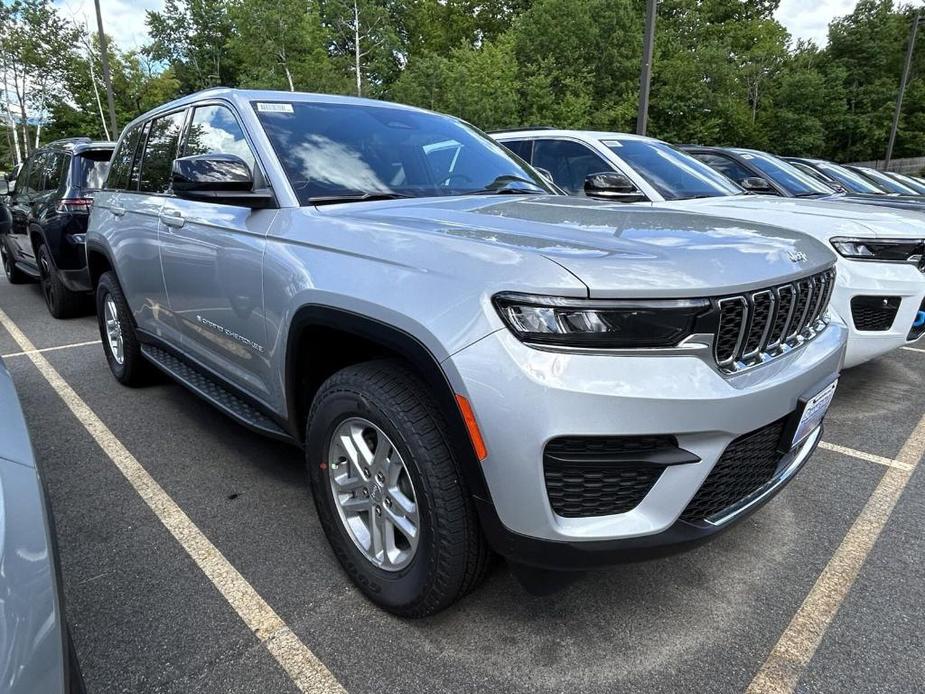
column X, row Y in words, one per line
column 209, row 389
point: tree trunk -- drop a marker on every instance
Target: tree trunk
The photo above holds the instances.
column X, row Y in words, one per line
column 96, row 93
column 289, row 77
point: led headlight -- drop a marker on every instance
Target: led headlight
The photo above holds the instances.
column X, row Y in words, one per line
column 599, row 323
column 883, row 250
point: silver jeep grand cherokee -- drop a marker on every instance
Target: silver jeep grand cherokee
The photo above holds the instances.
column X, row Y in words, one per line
column 470, row 361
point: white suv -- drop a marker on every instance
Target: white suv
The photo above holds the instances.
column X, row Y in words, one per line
column 880, row 288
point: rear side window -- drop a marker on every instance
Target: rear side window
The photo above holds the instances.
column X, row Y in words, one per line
column 55, row 166
column 160, row 151
column 569, row 162
column 90, row 172
column 214, row 130
column 118, row 177
column 36, row 173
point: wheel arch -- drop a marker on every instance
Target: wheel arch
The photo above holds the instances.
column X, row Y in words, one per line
column 98, row 262
column 309, row 361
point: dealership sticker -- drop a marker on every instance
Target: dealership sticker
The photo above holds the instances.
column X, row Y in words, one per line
column 264, row 107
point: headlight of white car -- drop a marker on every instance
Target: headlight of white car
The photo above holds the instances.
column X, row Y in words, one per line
column 883, row 250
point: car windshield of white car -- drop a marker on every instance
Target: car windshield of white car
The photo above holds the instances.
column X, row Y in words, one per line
column 674, row 174
column 346, row 152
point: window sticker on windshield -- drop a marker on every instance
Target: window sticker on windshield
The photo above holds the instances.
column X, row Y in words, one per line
column 263, row 107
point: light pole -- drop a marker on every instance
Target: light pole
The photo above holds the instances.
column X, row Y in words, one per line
column 645, row 78
column 107, row 80
column 902, row 87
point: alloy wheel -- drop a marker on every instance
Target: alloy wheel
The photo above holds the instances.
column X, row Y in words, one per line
column 113, row 330
column 373, row 494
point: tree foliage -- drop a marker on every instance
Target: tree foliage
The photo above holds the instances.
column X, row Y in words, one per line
column 725, row 71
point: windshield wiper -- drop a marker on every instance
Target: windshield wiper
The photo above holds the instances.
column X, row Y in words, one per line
column 503, row 185
column 355, row 197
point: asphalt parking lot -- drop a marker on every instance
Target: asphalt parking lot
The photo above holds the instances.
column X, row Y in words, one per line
column 775, row 604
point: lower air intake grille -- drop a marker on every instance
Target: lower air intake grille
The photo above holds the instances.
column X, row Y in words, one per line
column 596, row 476
column 748, row 463
column 874, row 312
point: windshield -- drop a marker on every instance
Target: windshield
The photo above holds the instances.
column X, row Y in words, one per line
column 674, row 174
column 853, row 182
column 785, row 175
column 92, row 167
column 350, row 151
column 887, row 183
column 909, row 182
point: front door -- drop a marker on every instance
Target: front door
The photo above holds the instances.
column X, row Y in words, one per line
column 212, row 255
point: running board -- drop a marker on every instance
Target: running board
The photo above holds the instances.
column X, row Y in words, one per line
column 212, row 391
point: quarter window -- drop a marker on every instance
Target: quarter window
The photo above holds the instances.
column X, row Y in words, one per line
column 160, row 151
column 214, row 130
column 569, row 162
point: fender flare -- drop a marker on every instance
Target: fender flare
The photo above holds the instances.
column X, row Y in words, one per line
column 410, row 348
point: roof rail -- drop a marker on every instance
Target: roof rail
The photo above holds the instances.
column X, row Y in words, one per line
column 526, row 127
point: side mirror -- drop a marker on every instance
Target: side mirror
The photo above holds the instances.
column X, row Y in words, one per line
column 610, row 185
column 545, row 173
column 756, row 184
column 218, row 178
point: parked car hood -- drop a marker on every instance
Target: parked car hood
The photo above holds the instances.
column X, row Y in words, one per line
column 616, row 250
column 824, row 218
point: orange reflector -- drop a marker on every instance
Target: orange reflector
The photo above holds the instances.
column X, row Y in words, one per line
column 472, row 426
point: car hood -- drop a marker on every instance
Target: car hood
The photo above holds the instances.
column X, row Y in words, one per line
column 616, row 250
column 823, row 218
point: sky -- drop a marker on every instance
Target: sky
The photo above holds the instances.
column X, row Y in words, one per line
column 125, row 19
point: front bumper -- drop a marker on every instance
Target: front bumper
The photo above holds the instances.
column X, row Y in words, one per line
column 524, row 397
column 864, row 278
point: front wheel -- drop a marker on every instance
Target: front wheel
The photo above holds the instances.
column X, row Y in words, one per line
column 388, row 492
column 117, row 331
column 13, row 274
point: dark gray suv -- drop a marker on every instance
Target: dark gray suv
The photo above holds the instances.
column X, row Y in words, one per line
column 47, row 211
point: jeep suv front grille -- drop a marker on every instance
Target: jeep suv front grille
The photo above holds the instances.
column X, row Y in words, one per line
column 760, row 325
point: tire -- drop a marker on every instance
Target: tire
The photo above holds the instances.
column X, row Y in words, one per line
column 133, row 369
column 450, row 557
column 13, row 274
column 61, row 301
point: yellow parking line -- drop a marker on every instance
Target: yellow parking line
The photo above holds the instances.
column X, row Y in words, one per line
column 787, row 661
column 861, row 455
column 49, row 349
column 307, row 672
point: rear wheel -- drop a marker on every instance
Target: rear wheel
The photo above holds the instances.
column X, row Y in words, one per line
column 61, row 301
column 388, row 492
column 13, row 274
column 117, row 331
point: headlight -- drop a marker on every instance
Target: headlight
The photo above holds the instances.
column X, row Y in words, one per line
column 599, row 323
column 884, row 250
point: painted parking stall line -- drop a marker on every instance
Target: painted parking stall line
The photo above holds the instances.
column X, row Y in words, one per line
column 862, row 455
column 789, row 658
column 26, row 353
column 307, row 672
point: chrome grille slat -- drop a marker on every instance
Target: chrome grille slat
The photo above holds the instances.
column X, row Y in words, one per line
column 763, row 324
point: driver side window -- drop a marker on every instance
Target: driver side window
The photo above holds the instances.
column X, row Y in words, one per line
column 569, row 163
column 726, row 166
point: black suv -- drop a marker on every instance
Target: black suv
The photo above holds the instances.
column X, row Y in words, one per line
column 47, row 210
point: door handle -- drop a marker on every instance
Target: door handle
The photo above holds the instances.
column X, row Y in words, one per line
column 117, row 211
column 172, row 219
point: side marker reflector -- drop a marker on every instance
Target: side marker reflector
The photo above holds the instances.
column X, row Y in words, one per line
column 475, row 436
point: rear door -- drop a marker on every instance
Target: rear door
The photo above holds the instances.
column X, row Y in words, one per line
column 134, row 240
column 212, row 254
column 29, row 185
